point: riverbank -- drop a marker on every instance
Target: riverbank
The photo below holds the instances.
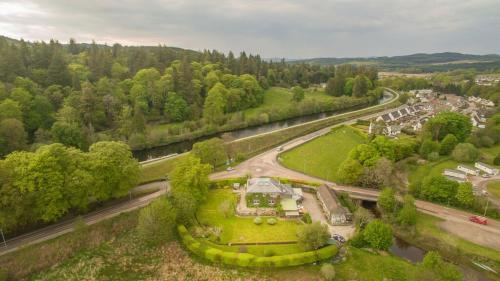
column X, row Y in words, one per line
column 272, row 116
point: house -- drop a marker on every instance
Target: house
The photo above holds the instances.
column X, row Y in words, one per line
column 271, row 190
column 486, row 168
column 455, row 174
column 468, row 170
column 393, row 130
column 335, row 213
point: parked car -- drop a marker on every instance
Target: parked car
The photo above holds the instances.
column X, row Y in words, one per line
column 479, row 220
column 280, row 148
column 339, row 238
column 229, row 169
column 486, row 176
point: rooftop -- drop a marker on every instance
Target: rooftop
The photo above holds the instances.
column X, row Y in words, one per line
column 330, row 200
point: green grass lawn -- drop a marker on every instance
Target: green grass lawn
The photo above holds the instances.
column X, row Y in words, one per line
column 489, row 153
column 239, row 229
column 322, row 156
column 494, row 188
column 417, row 173
column 159, row 169
column 281, row 97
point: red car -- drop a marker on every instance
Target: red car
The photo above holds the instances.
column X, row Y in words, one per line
column 479, row 220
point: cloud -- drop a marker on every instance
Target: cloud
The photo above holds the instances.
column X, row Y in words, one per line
column 272, row 28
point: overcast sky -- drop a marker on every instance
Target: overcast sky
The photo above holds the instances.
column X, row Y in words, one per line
column 272, row 28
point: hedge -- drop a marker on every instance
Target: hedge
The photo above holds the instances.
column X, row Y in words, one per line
column 249, row 260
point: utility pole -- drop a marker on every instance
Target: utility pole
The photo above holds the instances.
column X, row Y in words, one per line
column 486, row 208
column 3, row 238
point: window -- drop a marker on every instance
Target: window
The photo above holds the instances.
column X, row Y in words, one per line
column 271, row 201
column 256, row 201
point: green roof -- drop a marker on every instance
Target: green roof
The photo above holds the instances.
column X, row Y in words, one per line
column 289, row 204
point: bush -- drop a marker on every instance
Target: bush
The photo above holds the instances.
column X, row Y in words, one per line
column 257, row 220
column 433, row 156
column 307, row 218
column 328, row 271
column 249, row 260
column 496, row 161
column 465, row 152
column 271, row 221
column 358, row 241
column 156, row 221
column 269, row 252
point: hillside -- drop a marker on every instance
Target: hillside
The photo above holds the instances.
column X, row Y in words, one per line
column 417, row 62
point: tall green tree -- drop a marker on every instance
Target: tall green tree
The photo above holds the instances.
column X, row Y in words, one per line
column 448, row 144
column 313, row 236
column 215, row 103
column 387, row 200
column 211, row 151
column 407, row 216
column 445, row 123
column 378, row 235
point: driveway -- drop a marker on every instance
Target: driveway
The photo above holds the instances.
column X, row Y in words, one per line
column 311, row 205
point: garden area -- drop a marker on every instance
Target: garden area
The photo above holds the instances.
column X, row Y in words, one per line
column 218, row 212
column 322, row 156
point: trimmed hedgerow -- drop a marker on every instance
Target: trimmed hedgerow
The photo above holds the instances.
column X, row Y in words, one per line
column 250, row 260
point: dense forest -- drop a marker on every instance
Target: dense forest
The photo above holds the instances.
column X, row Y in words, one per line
column 78, row 94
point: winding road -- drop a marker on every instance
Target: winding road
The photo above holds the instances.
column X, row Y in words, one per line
column 265, row 164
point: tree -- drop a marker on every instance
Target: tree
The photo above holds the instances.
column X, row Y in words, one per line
column 57, row 72
column 12, row 136
column 445, row 123
column 115, row 170
column 428, row 146
column 69, row 134
column 328, row 272
column 366, row 154
column 298, row 93
column 211, row 151
column 215, row 103
column 349, row 171
column 360, row 86
column 313, row 236
column 408, row 214
column 448, row 144
column 465, row 195
column 189, row 186
column 10, row 109
column 176, row 108
column 387, row 201
column 438, row 189
column 157, row 221
column 378, row 235
column 465, row 152
column 433, row 267
column 362, row 217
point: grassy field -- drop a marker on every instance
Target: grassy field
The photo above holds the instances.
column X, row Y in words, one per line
column 362, row 265
column 238, row 229
column 417, row 173
column 159, row 169
column 494, row 189
column 278, row 98
column 322, row 156
column 489, row 153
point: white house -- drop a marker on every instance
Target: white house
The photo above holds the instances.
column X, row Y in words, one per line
column 455, row 174
column 468, row 170
column 486, row 168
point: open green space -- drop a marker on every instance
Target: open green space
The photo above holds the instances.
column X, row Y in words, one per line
column 242, row 229
column 322, row 156
column 278, row 98
column 489, row 153
column 363, row 265
column 494, row 189
column 419, row 172
column 158, row 170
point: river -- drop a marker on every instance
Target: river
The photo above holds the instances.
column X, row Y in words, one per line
column 180, row 147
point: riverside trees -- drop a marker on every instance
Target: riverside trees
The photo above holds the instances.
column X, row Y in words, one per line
column 44, row 185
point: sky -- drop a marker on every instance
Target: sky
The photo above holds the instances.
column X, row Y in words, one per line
column 271, row 28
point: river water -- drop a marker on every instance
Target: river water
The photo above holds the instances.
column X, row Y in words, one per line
column 180, row 147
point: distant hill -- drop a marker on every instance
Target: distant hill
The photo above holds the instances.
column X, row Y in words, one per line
column 417, row 62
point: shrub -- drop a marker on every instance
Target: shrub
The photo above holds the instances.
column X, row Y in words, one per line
column 326, row 252
column 156, row 221
column 496, row 161
column 269, row 252
column 271, row 221
column 257, row 220
column 328, row 271
column 358, row 241
column 433, row 156
column 465, row 152
column 307, row 218
column 244, row 259
column 213, row 254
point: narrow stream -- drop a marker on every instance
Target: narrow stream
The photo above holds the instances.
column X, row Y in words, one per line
column 180, row 147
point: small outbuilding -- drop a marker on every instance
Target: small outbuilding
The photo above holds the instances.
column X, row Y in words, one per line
column 334, row 211
column 490, row 170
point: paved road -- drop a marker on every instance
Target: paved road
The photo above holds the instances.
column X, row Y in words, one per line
column 63, row 227
column 267, row 165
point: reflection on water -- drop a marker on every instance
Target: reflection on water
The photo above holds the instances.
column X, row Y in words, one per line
column 405, row 250
column 184, row 146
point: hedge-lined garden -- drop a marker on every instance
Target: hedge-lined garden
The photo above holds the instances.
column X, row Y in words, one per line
column 249, row 260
